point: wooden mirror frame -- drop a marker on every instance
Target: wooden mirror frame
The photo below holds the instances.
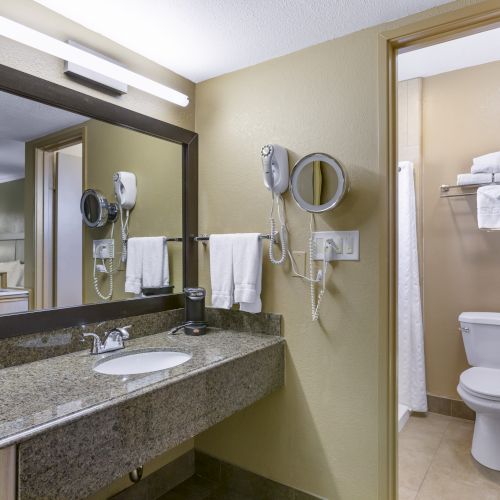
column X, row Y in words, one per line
column 34, row 88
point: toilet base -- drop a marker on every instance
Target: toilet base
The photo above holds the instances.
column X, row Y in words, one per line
column 486, row 440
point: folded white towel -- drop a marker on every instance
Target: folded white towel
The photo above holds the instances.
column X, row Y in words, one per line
column 221, row 270
column 147, row 264
column 485, row 169
column 467, row 179
column 488, row 207
column 496, row 177
column 490, row 159
column 247, row 271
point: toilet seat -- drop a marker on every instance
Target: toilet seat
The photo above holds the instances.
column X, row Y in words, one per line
column 481, row 382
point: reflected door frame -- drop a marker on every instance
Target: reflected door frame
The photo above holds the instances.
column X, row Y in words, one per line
column 40, row 242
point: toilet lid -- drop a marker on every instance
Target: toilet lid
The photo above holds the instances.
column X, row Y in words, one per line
column 484, row 382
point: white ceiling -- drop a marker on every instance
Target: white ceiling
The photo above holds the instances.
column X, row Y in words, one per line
column 464, row 52
column 201, row 39
column 23, row 120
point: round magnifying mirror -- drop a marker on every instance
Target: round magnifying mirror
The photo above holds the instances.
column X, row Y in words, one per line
column 318, row 183
column 96, row 210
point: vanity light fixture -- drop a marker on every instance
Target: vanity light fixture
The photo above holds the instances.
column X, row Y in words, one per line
column 39, row 41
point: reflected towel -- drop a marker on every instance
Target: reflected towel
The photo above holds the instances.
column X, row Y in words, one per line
column 147, row 264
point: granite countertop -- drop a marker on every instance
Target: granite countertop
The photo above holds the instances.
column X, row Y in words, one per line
column 42, row 395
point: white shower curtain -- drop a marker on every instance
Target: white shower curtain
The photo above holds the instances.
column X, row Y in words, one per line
column 411, row 362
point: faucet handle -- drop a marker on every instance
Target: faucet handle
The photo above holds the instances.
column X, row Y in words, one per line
column 124, row 331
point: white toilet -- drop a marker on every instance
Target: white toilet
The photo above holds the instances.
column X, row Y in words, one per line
column 479, row 386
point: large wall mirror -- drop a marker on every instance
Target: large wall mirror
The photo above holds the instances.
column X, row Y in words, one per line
column 49, row 157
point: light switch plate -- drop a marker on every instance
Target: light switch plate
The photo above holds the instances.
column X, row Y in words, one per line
column 346, row 244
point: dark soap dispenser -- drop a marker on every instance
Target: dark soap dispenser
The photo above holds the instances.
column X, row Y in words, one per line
column 194, row 308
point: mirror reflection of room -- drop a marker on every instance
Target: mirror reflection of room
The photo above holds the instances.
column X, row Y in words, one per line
column 48, row 158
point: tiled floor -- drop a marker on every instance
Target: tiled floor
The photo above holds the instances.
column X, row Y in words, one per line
column 435, row 462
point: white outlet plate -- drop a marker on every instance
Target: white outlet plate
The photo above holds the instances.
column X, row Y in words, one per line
column 104, row 249
column 346, row 243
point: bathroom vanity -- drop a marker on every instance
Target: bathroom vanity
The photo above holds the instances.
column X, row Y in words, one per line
column 66, row 430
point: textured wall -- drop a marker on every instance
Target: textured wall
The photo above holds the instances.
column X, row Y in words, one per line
column 12, row 207
column 50, row 68
column 461, row 263
column 321, row 433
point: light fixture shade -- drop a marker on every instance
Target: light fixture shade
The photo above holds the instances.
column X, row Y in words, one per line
column 57, row 48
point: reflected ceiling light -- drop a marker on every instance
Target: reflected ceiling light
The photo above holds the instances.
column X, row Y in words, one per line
column 57, row 48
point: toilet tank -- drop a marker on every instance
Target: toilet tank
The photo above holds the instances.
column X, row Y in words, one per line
column 481, row 336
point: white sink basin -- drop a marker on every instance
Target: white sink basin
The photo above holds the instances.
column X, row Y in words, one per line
column 134, row 362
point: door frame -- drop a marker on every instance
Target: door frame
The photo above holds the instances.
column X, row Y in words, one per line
column 39, row 153
column 440, row 28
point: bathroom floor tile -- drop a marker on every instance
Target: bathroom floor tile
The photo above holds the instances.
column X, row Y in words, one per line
column 451, row 471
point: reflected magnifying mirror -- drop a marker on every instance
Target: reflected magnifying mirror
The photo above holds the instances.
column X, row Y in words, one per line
column 318, row 183
column 96, row 209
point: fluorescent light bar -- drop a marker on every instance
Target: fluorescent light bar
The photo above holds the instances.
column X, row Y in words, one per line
column 39, row 41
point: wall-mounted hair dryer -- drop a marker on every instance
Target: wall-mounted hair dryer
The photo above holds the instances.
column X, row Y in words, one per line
column 125, row 189
column 276, row 174
column 275, row 166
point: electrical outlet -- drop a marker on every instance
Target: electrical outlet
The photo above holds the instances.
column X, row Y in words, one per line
column 345, row 245
column 300, row 260
column 104, row 249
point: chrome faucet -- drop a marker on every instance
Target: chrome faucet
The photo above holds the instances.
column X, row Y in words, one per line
column 113, row 340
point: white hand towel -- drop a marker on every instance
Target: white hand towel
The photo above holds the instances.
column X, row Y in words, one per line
column 221, row 270
column 147, row 264
column 247, row 269
column 468, row 179
column 496, row 177
column 133, row 274
column 488, row 207
column 155, row 272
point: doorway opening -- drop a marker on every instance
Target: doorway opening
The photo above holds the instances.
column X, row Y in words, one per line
column 446, row 154
column 59, row 179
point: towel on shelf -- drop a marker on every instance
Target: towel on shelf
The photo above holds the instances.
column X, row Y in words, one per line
column 468, row 179
column 147, row 264
column 489, row 163
column 247, row 271
column 496, row 177
column 221, row 270
column 488, row 207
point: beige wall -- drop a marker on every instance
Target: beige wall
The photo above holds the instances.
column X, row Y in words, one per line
column 461, row 263
column 321, row 433
column 12, row 206
column 157, row 165
column 50, row 68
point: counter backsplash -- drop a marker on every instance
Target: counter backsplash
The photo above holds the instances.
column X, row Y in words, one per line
column 34, row 347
